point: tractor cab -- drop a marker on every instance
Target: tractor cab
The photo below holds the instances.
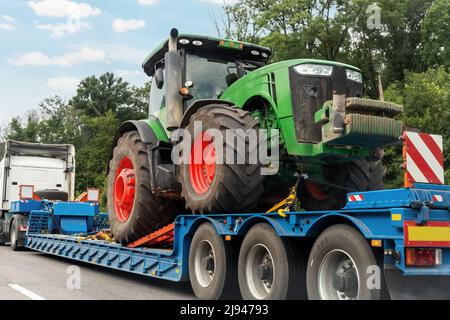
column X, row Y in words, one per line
column 207, row 67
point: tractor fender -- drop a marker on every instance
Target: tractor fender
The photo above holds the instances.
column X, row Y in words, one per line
column 145, row 131
column 162, row 175
column 197, row 105
column 148, row 136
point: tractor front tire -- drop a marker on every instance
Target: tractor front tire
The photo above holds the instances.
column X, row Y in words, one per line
column 134, row 211
column 210, row 187
column 355, row 176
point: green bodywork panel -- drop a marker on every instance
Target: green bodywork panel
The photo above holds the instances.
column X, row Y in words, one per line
column 157, row 128
column 272, row 84
column 257, row 84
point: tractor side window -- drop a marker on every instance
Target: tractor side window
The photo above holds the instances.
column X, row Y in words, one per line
column 157, row 99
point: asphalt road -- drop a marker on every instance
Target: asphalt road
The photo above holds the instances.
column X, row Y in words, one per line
column 32, row 275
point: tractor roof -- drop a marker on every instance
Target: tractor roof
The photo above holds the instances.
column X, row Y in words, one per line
column 230, row 49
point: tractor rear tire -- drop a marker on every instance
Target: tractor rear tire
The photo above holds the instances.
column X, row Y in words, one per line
column 134, row 211
column 355, row 176
column 221, row 188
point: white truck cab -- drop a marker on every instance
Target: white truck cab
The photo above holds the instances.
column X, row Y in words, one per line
column 46, row 167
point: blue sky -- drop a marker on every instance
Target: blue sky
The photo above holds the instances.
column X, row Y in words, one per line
column 49, row 45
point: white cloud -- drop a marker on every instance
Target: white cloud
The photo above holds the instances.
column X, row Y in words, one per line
column 7, row 26
column 124, row 53
column 62, row 29
column 68, row 59
column 148, row 2
column 221, row 2
column 8, row 18
column 129, row 73
column 63, row 8
column 107, row 54
column 7, row 23
column 63, row 84
column 120, row 25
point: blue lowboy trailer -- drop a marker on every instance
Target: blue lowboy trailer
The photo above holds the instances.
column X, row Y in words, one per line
column 383, row 244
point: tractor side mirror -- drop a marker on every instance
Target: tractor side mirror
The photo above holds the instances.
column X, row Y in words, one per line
column 159, row 78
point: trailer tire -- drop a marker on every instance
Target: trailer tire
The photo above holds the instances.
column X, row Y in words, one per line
column 139, row 211
column 342, row 250
column 209, row 251
column 14, row 236
column 263, row 251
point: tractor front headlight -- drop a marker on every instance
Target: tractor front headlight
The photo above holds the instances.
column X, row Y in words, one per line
column 354, row 76
column 314, row 70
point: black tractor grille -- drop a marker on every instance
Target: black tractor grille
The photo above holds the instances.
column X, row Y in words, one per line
column 309, row 93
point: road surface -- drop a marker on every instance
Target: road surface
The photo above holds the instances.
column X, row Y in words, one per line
column 29, row 275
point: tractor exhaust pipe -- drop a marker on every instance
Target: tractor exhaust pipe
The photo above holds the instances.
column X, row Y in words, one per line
column 174, row 101
column 173, row 44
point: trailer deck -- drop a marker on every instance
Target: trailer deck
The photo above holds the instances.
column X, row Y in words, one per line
column 392, row 219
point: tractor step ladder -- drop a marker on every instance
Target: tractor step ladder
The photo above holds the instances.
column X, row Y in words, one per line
column 160, row 238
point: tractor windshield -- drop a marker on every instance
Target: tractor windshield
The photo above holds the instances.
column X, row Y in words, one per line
column 209, row 76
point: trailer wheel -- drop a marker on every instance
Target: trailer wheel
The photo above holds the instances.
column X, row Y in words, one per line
column 269, row 267
column 212, row 265
column 14, row 236
column 341, row 266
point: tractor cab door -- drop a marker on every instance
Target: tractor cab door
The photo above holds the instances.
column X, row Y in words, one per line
column 157, row 106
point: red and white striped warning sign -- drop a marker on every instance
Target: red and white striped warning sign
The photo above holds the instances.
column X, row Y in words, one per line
column 356, row 198
column 438, row 198
column 424, row 158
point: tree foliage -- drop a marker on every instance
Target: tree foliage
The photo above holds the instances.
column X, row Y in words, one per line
column 89, row 121
column 409, row 50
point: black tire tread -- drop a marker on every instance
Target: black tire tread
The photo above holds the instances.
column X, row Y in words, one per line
column 242, row 185
column 340, row 236
column 357, row 175
column 150, row 212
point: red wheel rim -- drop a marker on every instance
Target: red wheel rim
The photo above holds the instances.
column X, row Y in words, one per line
column 315, row 191
column 124, row 189
column 202, row 167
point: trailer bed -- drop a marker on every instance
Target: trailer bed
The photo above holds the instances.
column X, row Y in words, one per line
column 397, row 219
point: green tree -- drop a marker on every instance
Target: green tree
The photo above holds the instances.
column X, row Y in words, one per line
column 60, row 122
column 435, row 33
column 426, row 97
column 95, row 97
column 93, row 154
column 28, row 130
column 78, row 123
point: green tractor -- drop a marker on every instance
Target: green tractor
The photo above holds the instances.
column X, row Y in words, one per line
column 330, row 137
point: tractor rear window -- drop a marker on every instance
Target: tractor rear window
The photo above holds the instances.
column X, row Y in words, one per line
column 208, row 76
